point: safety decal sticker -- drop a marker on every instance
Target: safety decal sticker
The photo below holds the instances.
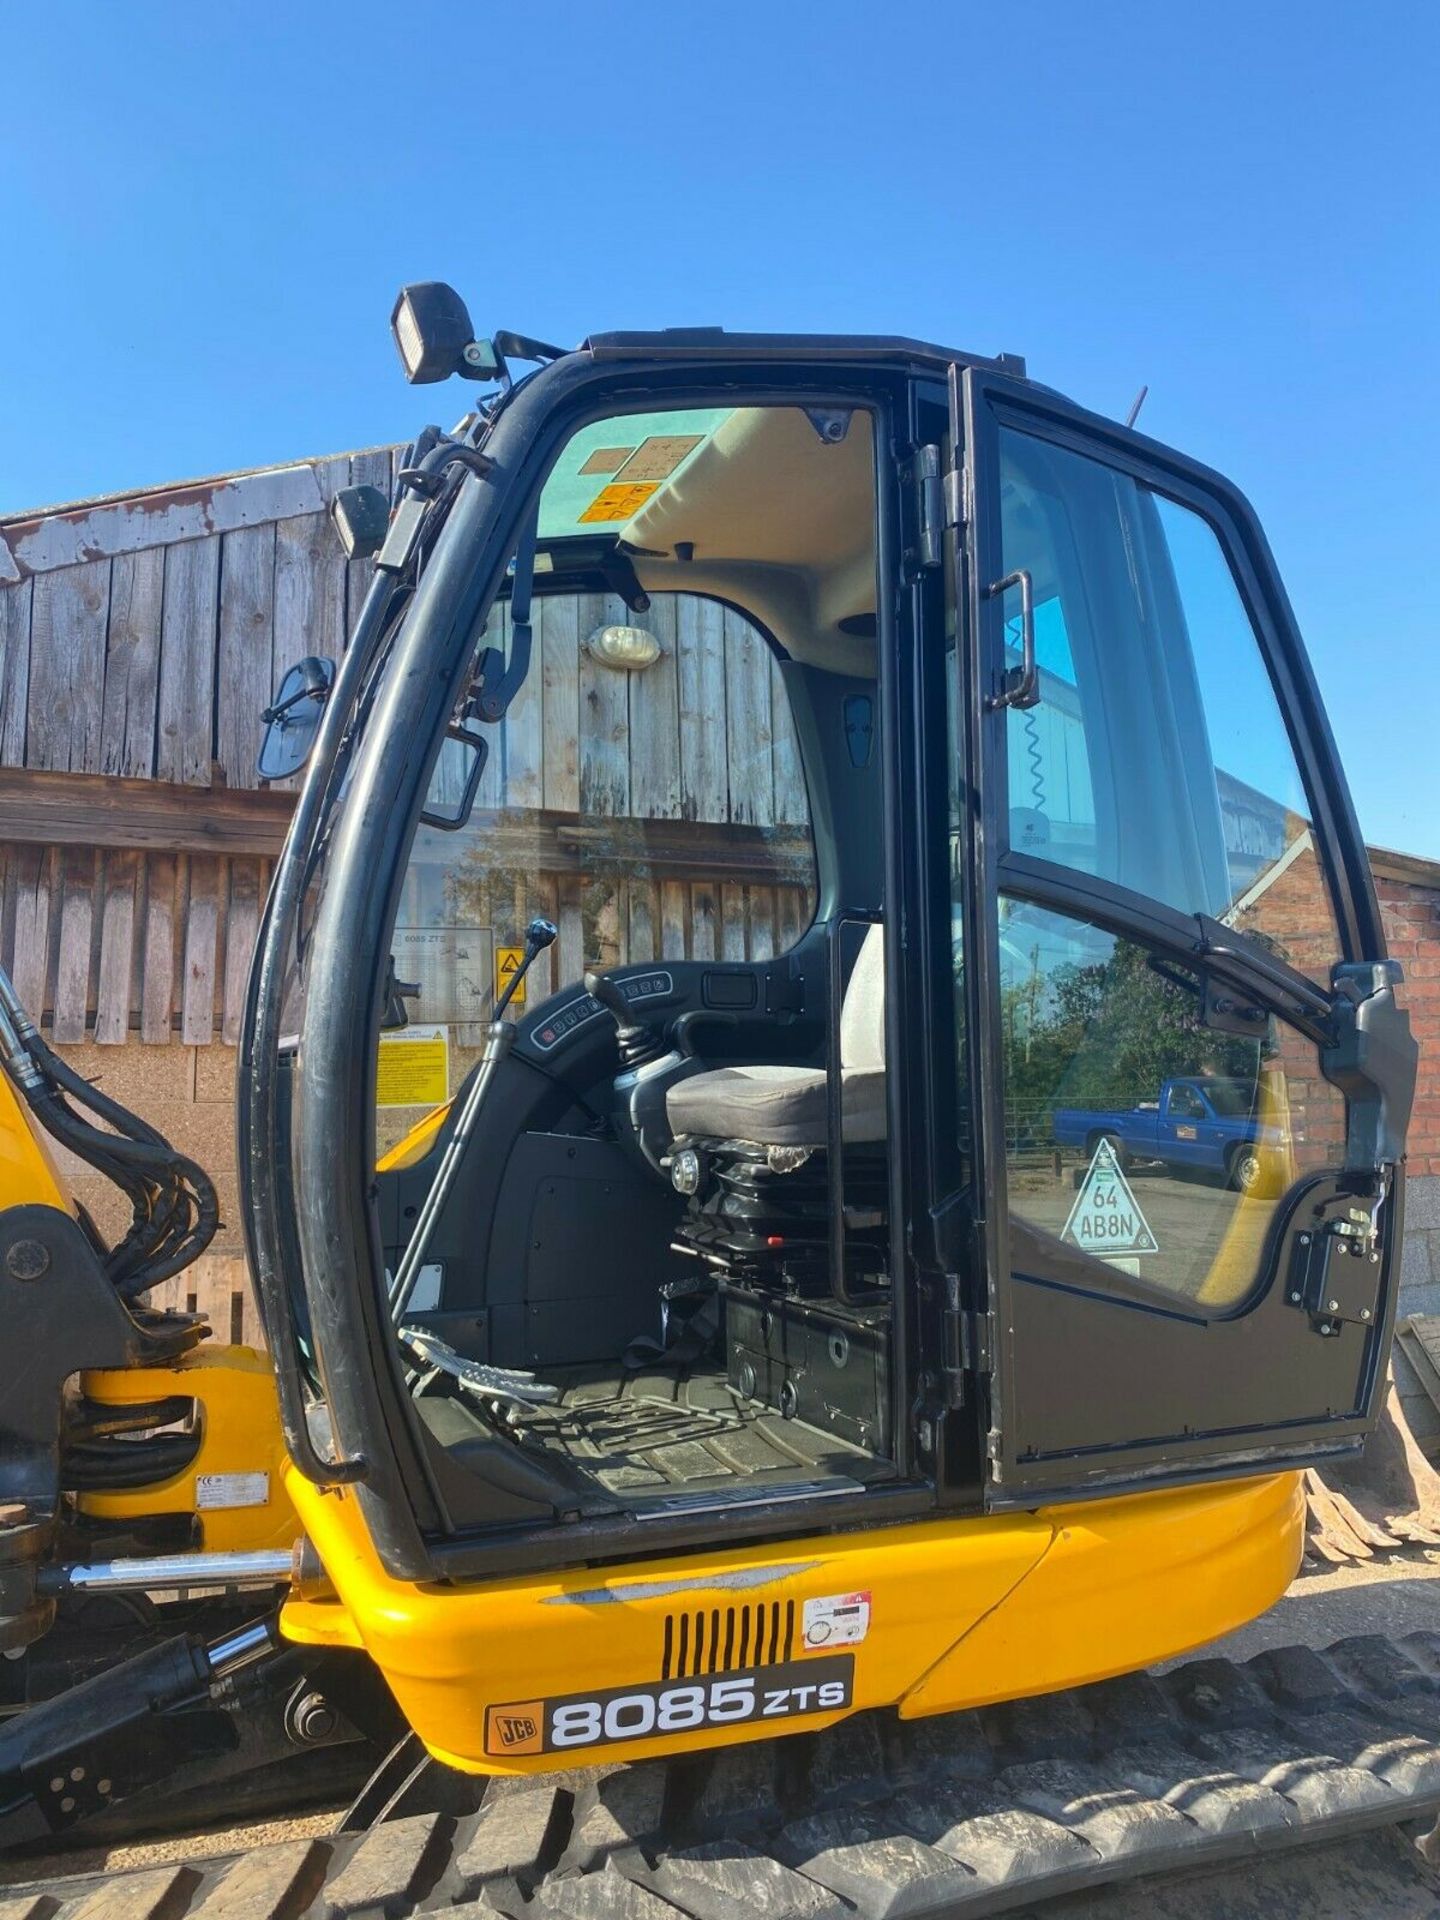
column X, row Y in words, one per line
column 618, row 502
column 607, row 459
column 1106, row 1219
column 578, row 1720
column 835, row 1620
column 659, row 456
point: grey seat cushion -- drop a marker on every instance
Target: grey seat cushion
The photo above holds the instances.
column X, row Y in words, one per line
column 775, row 1106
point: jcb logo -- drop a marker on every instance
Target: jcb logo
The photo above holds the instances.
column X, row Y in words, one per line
column 515, row 1728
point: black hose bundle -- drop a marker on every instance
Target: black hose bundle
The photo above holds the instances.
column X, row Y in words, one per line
column 174, row 1209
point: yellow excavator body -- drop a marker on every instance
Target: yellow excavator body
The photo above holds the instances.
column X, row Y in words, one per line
column 683, row 1652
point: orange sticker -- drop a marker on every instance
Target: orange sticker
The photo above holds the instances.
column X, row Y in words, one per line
column 617, row 503
column 516, row 1728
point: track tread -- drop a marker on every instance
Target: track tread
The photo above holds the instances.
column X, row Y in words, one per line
column 975, row 1813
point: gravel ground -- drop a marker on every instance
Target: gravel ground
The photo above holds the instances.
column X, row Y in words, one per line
column 1393, row 1596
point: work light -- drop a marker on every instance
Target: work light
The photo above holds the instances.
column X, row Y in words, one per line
column 630, row 649
column 435, row 338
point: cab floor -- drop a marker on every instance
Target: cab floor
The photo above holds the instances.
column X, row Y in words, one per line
column 664, row 1431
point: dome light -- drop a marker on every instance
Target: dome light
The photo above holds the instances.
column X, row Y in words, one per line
column 628, row 649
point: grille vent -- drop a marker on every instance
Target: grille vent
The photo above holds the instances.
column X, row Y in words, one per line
column 727, row 1639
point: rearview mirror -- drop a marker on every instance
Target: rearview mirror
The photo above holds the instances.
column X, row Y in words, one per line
column 293, row 718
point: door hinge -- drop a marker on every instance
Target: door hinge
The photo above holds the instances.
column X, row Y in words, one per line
column 966, row 1346
column 957, row 509
column 929, row 507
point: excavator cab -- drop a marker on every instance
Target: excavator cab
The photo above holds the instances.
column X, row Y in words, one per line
column 822, row 1101
column 741, row 1300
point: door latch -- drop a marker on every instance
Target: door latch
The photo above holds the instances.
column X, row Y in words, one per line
column 1335, row 1272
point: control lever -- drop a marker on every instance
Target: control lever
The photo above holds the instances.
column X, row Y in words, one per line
column 499, row 1039
column 639, row 1044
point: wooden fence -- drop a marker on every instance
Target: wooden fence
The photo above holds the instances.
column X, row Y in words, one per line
column 659, row 813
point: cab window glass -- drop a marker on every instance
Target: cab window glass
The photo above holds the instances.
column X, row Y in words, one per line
column 1156, row 757
column 1136, row 1136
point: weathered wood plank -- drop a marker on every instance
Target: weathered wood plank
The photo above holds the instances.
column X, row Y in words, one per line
column 570, row 946
column 793, row 914
column 747, row 723
column 95, row 529
column 700, row 661
column 72, row 964
column 157, row 987
column 673, row 903
column 760, row 908
column 704, row 919
column 245, row 650
column 642, row 945
column 33, row 879
column 604, row 717
column 185, row 745
column 655, row 721
column 15, row 605
column 523, row 730
column 560, row 696
column 197, row 1004
column 309, row 590
column 792, row 802
column 242, row 921
column 117, row 939
column 132, row 664
column 55, row 809
column 67, row 668
column 605, row 920
column 732, row 922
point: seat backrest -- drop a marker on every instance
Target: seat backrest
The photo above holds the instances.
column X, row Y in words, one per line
column 862, row 1014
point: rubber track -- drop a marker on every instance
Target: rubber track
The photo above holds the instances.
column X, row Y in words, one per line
column 974, row 1813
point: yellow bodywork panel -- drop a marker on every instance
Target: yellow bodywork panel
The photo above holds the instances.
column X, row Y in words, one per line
column 28, row 1175
column 236, row 1484
column 531, row 1674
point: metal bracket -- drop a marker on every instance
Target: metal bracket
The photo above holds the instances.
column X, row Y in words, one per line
column 1335, row 1272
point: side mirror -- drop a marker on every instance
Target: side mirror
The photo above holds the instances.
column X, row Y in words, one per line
column 362, row 519
column 397, row 992
column 293, row 718
column 456, row 780
column 434, row 336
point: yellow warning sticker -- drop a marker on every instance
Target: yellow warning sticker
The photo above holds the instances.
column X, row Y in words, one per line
column 659, row 456
column 507, row 965
column 414, row 1068
column 617, row 502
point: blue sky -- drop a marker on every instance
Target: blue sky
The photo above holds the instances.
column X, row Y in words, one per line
column 208, row 211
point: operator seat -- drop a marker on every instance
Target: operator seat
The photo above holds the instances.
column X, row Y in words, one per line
column 775, row 1106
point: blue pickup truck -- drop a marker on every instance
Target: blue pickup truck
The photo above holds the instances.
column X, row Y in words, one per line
column 1205, row 1123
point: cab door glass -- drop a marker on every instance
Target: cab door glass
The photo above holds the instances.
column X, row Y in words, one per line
column 1156, row 757
column 1139, row 1143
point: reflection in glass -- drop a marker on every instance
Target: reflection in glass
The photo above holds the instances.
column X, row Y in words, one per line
column 1136, row 1136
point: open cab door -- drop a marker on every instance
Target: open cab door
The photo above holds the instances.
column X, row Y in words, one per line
column 1187, row 1080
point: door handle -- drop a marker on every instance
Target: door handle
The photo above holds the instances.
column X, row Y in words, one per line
column 1021, row 685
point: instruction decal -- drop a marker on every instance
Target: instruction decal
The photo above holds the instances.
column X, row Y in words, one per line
column 508, row 962
column 414, row 1068
column 607, row 459
column 659, row 456
column 835, row 1620
column 618, row 501
column 1106, row 1219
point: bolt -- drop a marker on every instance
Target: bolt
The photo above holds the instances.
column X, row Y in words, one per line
column 1295, row 1298
column 1304, row 1239
column 57, row 1783
column 926, row 1436
column 315, row 1718
column 1374, row 1259
column 67, row 1805
column 104, row 1787
column 1364, row 1313
column 77, row 1774
column 1333, row 1306
column 27, row 1260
